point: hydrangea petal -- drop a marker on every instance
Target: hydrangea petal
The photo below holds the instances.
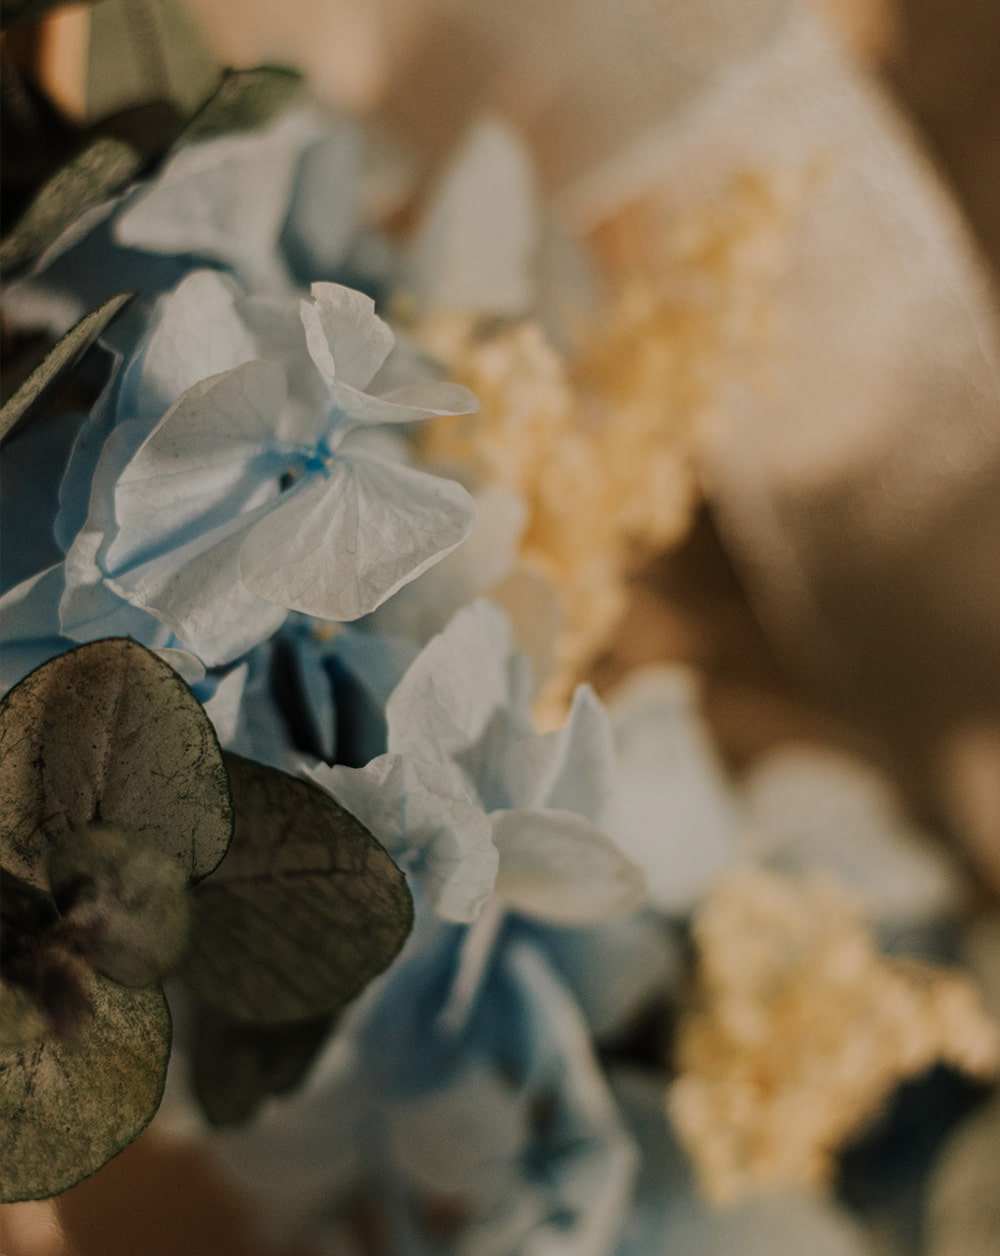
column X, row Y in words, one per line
column 210, row 457
column 671, row 809
column 346, row 338
column 571, row 768
column 422, row 816
column 340, row 545
column 195, row 333
column 465, row 695
column 560, row 868
column 196, row 592
column 409, row 404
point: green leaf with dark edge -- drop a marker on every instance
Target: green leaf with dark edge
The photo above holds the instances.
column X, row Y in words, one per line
column 304, row 910
column 108, row 732
column 236, row 1066
column 93, row 175
column 67, row 1107
column 60, row 360
column 245, row 100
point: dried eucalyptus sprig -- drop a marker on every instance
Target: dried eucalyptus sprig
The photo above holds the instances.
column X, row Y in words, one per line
column 115, row 798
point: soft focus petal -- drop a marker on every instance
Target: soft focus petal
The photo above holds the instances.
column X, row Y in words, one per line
column 476, row 250
column 427, row 822
column 672, row 809
column 560, row 868
column 346, row 338
column 464, row 699
column 407, row 404
column 572, row 768
column 339, row 546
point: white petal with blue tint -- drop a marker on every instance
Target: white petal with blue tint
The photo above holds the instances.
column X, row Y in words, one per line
column 344, row 542
column 558, row 867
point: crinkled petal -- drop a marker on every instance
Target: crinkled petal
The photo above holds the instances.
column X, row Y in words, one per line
column 346, row 338
column 572, row 768
column 411, row 403
column 196, row 591
column 339, row 546
column 464, row 699
column 210, row 458
column 425, row 820
column 560, row 868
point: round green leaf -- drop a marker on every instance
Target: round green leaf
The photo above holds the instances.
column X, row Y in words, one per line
column 67, row 1107
column 60, row 359
column 108, row 732
column 306, row 908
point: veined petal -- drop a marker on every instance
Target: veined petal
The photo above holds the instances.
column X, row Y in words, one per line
column 424, row 818
column 560, row 868
column 339, row 546
column 196, row 591
column 411, row 404
column 346, row 338
column 210, row 458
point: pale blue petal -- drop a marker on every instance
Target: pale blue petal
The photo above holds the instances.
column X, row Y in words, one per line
column 223, row 199
column 211, row 457
column 346, row 338
column 411, row 404
column 326, row 211
column 671, row 810
column 464, row 700
column 476, row 249
column 195, row 332
column 572, row 768
column 427, row 822
column 558, row 867
column 196, row 591
column 422, row 609
column 819, row 810
column 337, row 547
column 29, row 625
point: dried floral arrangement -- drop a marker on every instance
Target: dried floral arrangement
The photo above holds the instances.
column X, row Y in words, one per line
column 322, row 498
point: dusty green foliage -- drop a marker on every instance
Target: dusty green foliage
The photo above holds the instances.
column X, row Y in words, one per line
column 235, row 1066
column 60, row 360
column 306, row 908
column 92, row 176
column 68, row 1106
column 109, row 732
column 114, row 798
column 244, row 101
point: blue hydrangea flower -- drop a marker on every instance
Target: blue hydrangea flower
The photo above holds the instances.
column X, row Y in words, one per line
column 261, row 489
column 475, row 801
column 503, row 1123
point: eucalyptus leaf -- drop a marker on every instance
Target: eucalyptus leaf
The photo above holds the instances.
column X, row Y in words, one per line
column 109, row 732
column 93, row 175
column 245, row 100
column 66, row 1107
column 306, row 908
column 60, row 359
column 236, row 1066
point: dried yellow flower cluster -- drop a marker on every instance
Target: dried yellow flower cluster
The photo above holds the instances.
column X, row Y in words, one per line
column 800, row 1030
column 602, row 447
